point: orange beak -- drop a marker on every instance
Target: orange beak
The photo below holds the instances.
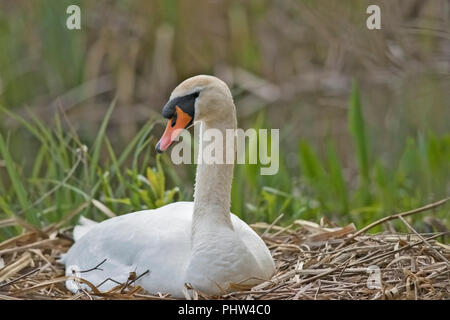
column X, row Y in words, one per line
column 176, row 124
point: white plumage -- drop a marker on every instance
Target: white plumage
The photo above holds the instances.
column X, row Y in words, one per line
column 198, row 242
column 160, row 241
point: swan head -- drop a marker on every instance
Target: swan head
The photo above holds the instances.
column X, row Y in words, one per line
column 200, row 98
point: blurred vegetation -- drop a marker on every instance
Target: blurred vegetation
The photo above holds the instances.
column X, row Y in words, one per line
column 352, row 151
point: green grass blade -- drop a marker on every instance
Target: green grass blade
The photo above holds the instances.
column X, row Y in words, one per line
column 99, row 140
column 337, row 178
column 309, row 162
column 358, row 131
column 18, row 187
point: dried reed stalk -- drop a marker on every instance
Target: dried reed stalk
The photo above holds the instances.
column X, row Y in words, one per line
column 312, row 262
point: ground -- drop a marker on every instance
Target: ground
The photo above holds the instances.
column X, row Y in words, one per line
column 313, row 261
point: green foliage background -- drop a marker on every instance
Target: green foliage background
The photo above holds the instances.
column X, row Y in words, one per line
column 363, row 115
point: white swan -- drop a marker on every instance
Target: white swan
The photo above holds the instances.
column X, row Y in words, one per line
column 200, row 242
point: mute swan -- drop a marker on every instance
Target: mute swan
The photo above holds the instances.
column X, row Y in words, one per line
column 200, row 242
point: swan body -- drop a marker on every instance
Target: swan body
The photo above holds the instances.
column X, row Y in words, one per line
column 198, row 243
column 160, row 241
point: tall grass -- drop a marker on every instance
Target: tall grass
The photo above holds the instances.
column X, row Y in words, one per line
column 65, row 178
column 65, row 175
column 321, row 186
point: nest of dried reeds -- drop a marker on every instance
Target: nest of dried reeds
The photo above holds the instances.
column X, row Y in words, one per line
column 314, row 261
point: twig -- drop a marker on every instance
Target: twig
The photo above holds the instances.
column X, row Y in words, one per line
column 393, row 217
column 408, row 246
column 109, row 279
column 94, row 268
column 425, row 241
column 131, row 281
column 68, row 217
column 272, row 224
column 28, row 246
column 143, row 274
column 19, row 278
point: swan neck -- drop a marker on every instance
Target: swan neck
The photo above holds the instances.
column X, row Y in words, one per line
column 213, row 185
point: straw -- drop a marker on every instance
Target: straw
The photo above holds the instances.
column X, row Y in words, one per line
column 312, row 262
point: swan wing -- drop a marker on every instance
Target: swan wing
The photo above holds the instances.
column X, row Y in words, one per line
column 256, row 246
column 154, row 240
